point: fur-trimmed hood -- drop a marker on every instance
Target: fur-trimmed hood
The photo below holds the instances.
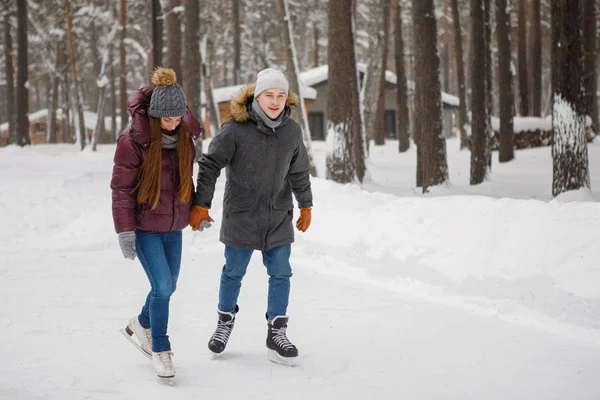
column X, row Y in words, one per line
column 239, row 103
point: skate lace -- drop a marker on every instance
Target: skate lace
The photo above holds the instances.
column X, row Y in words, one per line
column 223, row 331
column 164, row 357
column 148, row 336
column 280, row 339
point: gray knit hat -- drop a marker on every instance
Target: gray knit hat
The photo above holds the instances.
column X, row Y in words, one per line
column 270, row 78
column 168, row 99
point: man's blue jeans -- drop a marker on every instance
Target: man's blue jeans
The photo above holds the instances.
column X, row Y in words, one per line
column 160, row 255
column 277, row 261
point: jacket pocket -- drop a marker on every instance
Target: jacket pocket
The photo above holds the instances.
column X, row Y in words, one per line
column 242, row 202
column 283, row 203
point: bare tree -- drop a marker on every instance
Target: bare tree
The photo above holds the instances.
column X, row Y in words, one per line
column 522, row 59
column 76, row 84
column 535, row 59
column 174, row 38
column 372, row 80
column 192, row 64
column 590, row 54
column 207, row 71
column 157, row 33
column 55, row 79
column 379, row 125
column 10, row 84
column 123, row 65
column 22, row 92
column 505, row 83
column 569, row 146
column 342, row 106
column 237, row 41
column 102, row 83
column 432, row 167
column 402, row 119
column 287, row 30
column 460, row 76
column 479, row 109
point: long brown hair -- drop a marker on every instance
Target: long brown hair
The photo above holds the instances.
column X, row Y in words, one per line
column 148, row 187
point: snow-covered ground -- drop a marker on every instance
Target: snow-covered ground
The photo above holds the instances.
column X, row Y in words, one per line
column 486, row 292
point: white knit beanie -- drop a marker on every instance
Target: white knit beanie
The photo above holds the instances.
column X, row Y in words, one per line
column 270, row 78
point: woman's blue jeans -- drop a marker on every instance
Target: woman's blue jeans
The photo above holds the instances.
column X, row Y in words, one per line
column 277, row 261
column 160, row 255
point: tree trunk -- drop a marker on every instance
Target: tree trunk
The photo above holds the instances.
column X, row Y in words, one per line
column 207, row 71
column 505, row 83
column 522, row 59
column 569, row 146
column 55, row 78
column 432, row 167
column 343, row 96
column 487, row 10
column 123, row 65
column 371, row 83
column 157, row 34
column 445, row 40
column 294, row 77
column 76, row 85
column 192, row 63
column 237, row 42
column 22, row 92
column 460, row 77
column 113, row 95
column 66, row 101
column 402, row 120
column 10, row 84
column 316, row 36
column 479, row 137
column 590, row 54
column 174, row 39
column 536, row 58
column 379, row 125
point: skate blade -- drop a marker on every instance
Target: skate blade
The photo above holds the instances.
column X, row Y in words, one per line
column 273, row 356
column 169, row 380
column 133, row 342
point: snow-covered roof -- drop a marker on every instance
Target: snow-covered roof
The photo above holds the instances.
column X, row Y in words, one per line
column 90, row 118
column 225, row 94
column 320, row 74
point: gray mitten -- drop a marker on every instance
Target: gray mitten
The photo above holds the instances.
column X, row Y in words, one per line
column 127, row 243
column 205, row 224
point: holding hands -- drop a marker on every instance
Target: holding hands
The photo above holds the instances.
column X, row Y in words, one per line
column 199, row 218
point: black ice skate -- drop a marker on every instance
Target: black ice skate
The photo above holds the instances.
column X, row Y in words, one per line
column 281, row 350
column 219, row 339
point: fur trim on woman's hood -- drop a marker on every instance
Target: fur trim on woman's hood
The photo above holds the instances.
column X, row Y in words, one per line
column 239, row 111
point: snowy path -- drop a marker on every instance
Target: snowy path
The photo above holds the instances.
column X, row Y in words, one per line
column 357, row 339
column 458, row 297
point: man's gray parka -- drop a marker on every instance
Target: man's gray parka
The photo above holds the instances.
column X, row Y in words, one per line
column 263, row 167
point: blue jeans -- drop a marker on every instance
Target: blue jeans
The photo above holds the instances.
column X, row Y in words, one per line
column 277, row 261
column 160, row 255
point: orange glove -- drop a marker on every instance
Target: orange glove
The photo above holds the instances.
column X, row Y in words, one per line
column 199, row 218
column 304, row 221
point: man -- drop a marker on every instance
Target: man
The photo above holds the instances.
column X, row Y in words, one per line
column 261, row 146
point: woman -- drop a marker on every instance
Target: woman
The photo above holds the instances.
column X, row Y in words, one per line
column 151, row 199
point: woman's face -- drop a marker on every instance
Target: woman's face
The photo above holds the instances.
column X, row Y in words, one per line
column 169, row 124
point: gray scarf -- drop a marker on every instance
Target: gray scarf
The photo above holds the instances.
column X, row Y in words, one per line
column 169, row 141
column 271, row 123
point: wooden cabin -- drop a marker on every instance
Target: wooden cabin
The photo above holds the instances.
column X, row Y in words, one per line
column 38, row 128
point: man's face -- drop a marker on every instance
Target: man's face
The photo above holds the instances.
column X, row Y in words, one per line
column 169, row 124
column 272, row 101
